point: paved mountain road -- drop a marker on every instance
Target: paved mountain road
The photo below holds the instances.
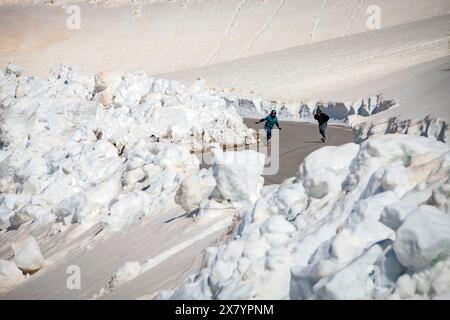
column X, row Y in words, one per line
column 297, row 140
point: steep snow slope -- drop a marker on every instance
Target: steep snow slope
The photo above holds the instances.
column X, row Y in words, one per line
column 403, row 69
column 315, row 72
column 164, row 36
column 414, row 100
column 423, row 103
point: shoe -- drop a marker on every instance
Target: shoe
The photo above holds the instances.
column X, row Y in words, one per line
column 323, row 140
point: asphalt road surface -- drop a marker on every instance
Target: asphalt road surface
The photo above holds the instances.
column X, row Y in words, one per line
column 297, row 140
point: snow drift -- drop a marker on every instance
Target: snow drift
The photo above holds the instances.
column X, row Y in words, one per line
column 77, row 149
column 373, row 223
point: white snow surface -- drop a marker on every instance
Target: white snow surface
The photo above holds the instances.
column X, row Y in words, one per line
column 87, row 158
column 379, row 231
column 76, row 149
column 10, row 274
column 238, row 175
column 359, row 221
column 165, row 35
column 421, row 108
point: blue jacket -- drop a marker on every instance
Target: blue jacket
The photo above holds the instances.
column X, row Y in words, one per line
column 270, row 122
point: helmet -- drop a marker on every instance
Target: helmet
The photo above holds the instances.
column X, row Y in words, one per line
column 273, row 112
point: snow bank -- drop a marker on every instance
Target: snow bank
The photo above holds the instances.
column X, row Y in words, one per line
column 428, row 127
column 422, row 97
column 111, row 148
column 365, row 221
column 303, row 111
column 14, row 69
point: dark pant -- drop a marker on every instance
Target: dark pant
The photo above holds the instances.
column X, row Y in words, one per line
column 323, row 130
column 268, row 133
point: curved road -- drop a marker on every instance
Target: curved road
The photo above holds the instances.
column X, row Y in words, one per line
column 297, row 140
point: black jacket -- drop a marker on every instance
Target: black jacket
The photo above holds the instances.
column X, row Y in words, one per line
column 322, row 117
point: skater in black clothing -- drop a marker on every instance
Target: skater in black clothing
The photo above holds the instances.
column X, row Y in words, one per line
column 322, row 118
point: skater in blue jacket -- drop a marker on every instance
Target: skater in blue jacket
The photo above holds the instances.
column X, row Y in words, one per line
column 271, row 121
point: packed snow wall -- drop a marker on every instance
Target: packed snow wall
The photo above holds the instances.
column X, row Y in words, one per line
column 304, row 111
column 166, row 36
column 428, row 126
column 422, row 105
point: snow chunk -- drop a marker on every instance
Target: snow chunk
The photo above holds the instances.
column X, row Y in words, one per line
column 14, row 69
column 27, row 255
column 356, row 276
column 106, row 82
column 195, row 188
column 395, row 214
column 431, row 283
column 277, row 224
column 324, row 171
column 124, row 274
column 423, row 238
column 127, row 210
column 238, row 174
column 9, row 274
